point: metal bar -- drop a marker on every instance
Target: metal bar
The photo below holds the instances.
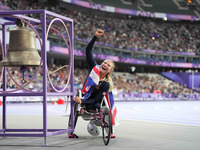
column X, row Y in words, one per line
column 33, row 130
column 44, row 57
column 60, row 94
column 10, row 23
column 58, row 132
column 2, row 130
column 52, row 130
column 72, row 73
column 21, row 12
column 21, row 135
column 23, row 130
column 33, row 20
column 4, row 77
column 13, row 23
column 2, row 23
column 21, row 94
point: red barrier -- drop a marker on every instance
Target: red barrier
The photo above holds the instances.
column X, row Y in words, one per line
column 60, row 101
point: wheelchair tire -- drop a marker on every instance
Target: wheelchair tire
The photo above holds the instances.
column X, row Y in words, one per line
column 107, row 126
column 75, row 117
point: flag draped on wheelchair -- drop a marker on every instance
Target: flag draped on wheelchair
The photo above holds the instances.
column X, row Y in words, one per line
column 88, row 88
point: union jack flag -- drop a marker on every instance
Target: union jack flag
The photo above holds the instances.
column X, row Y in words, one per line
column 112, row 107
column 92, row 80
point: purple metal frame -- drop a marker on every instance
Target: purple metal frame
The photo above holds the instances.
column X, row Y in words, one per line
column 45, row 132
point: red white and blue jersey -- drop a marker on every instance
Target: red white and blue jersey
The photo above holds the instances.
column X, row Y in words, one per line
column 89, row 86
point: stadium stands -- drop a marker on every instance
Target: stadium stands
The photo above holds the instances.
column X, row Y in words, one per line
column 137, row 33
column 137, row 85
column 149, row 5
column 124, row 37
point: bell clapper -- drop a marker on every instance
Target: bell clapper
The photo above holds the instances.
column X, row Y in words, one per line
column 23, row 69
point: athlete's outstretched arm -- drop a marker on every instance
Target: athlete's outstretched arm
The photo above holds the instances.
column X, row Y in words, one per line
column 89, row 57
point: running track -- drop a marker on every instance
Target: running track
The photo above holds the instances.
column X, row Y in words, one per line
column 170, row 112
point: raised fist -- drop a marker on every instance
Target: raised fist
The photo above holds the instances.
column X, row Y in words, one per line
column 99, row 33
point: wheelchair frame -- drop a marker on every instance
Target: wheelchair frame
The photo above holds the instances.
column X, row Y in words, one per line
column 100, row 117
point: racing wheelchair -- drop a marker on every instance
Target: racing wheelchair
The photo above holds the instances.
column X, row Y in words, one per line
column 100, row 117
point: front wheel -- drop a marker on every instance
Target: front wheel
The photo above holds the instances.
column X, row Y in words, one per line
column 107, row 126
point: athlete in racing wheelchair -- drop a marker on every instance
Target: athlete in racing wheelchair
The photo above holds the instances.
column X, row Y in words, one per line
column 96, row 99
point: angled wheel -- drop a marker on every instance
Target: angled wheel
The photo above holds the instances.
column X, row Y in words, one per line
column 76, row 112
column 106, row 127
column 75, row 117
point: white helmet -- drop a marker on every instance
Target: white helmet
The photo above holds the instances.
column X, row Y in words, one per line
column 93, row 129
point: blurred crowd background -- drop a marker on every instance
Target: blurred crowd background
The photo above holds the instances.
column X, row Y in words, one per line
column 123, row 82
column 137, row 33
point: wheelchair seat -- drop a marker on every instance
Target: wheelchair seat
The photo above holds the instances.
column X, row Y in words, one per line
column 95, row 107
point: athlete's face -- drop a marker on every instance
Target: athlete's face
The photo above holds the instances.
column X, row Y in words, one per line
column 106, row 67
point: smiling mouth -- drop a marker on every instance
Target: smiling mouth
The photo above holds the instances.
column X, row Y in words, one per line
column 103, row 68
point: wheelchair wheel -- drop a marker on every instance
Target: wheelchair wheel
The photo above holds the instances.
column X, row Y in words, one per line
column 106, row 127
column 75, row 117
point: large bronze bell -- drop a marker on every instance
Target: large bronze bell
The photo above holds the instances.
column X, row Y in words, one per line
column 22, row 49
